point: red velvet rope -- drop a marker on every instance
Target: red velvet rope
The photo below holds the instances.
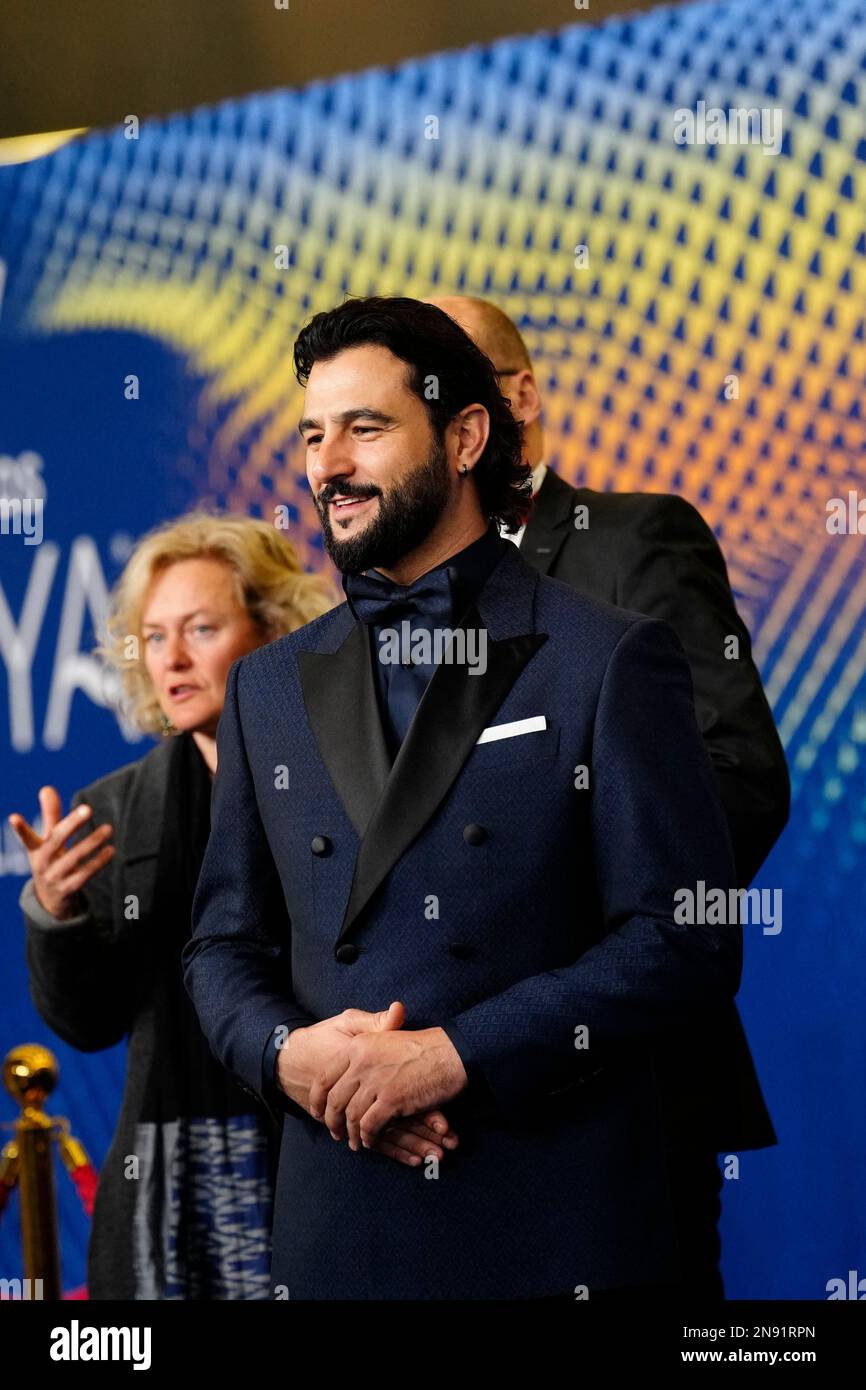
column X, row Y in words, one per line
column 86, row 1180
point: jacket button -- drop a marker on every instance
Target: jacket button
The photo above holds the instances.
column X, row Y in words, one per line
column 347, row 954
column 462, row 951
column 474, row 834
column 320, row 844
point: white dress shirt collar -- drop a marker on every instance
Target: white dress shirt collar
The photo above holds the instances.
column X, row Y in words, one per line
column 538, row 475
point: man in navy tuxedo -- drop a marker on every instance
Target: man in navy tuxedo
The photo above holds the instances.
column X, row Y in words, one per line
column 443, row 882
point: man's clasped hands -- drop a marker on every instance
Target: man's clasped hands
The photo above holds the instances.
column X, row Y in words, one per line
column 373, row 1083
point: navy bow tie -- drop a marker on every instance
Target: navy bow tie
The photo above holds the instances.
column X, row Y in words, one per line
column 380, row 602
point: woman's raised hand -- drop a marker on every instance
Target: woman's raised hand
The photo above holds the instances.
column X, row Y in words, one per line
column 58, row 872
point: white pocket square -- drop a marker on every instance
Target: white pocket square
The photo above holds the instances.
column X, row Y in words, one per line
column 517, row 726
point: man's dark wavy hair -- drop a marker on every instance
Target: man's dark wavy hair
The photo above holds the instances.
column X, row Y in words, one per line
column 433, row 345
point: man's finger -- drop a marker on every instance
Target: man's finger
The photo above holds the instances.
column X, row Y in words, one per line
column 415, row 1138
column 435, row 1120
column 355, row 1111
column 317, row 1098
column 410, row 1142
column 25, row 832
column 374, row 1120
column 390, row 1150
column 416, row 1125
column 394, row 1016
column 361, row 1021
column 339, row 1098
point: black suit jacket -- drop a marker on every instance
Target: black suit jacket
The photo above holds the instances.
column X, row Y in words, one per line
column 554, row 908
column 655, row 554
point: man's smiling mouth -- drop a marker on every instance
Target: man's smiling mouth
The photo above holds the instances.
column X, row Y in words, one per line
column 346, row 506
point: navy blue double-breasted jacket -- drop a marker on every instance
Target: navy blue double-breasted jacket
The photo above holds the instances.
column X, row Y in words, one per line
column 334, row 880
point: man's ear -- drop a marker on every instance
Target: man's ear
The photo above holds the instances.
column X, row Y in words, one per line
column 523, row 395
column 468, row 434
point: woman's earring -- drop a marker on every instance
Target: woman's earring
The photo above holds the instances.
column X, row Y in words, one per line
column 167, row 726
column 465, row 468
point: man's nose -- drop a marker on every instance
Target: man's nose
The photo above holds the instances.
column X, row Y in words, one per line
column 331, row 461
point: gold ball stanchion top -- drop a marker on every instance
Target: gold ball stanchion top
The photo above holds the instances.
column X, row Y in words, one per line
column 30, row 1073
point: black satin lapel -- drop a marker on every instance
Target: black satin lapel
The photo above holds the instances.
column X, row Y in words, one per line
column 340, row 700
column 455, row 708
column 548, row 524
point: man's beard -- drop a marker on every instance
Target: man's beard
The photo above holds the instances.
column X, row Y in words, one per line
column 406, row 515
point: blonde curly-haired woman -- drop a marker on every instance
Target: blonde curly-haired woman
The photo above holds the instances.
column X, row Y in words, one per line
column 183, row 1209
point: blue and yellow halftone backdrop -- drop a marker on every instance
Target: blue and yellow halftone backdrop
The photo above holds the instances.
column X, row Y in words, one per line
column 709, row 340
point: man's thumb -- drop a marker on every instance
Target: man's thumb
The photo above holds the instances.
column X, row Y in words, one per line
column 363, row 1021
column 392, row 1017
